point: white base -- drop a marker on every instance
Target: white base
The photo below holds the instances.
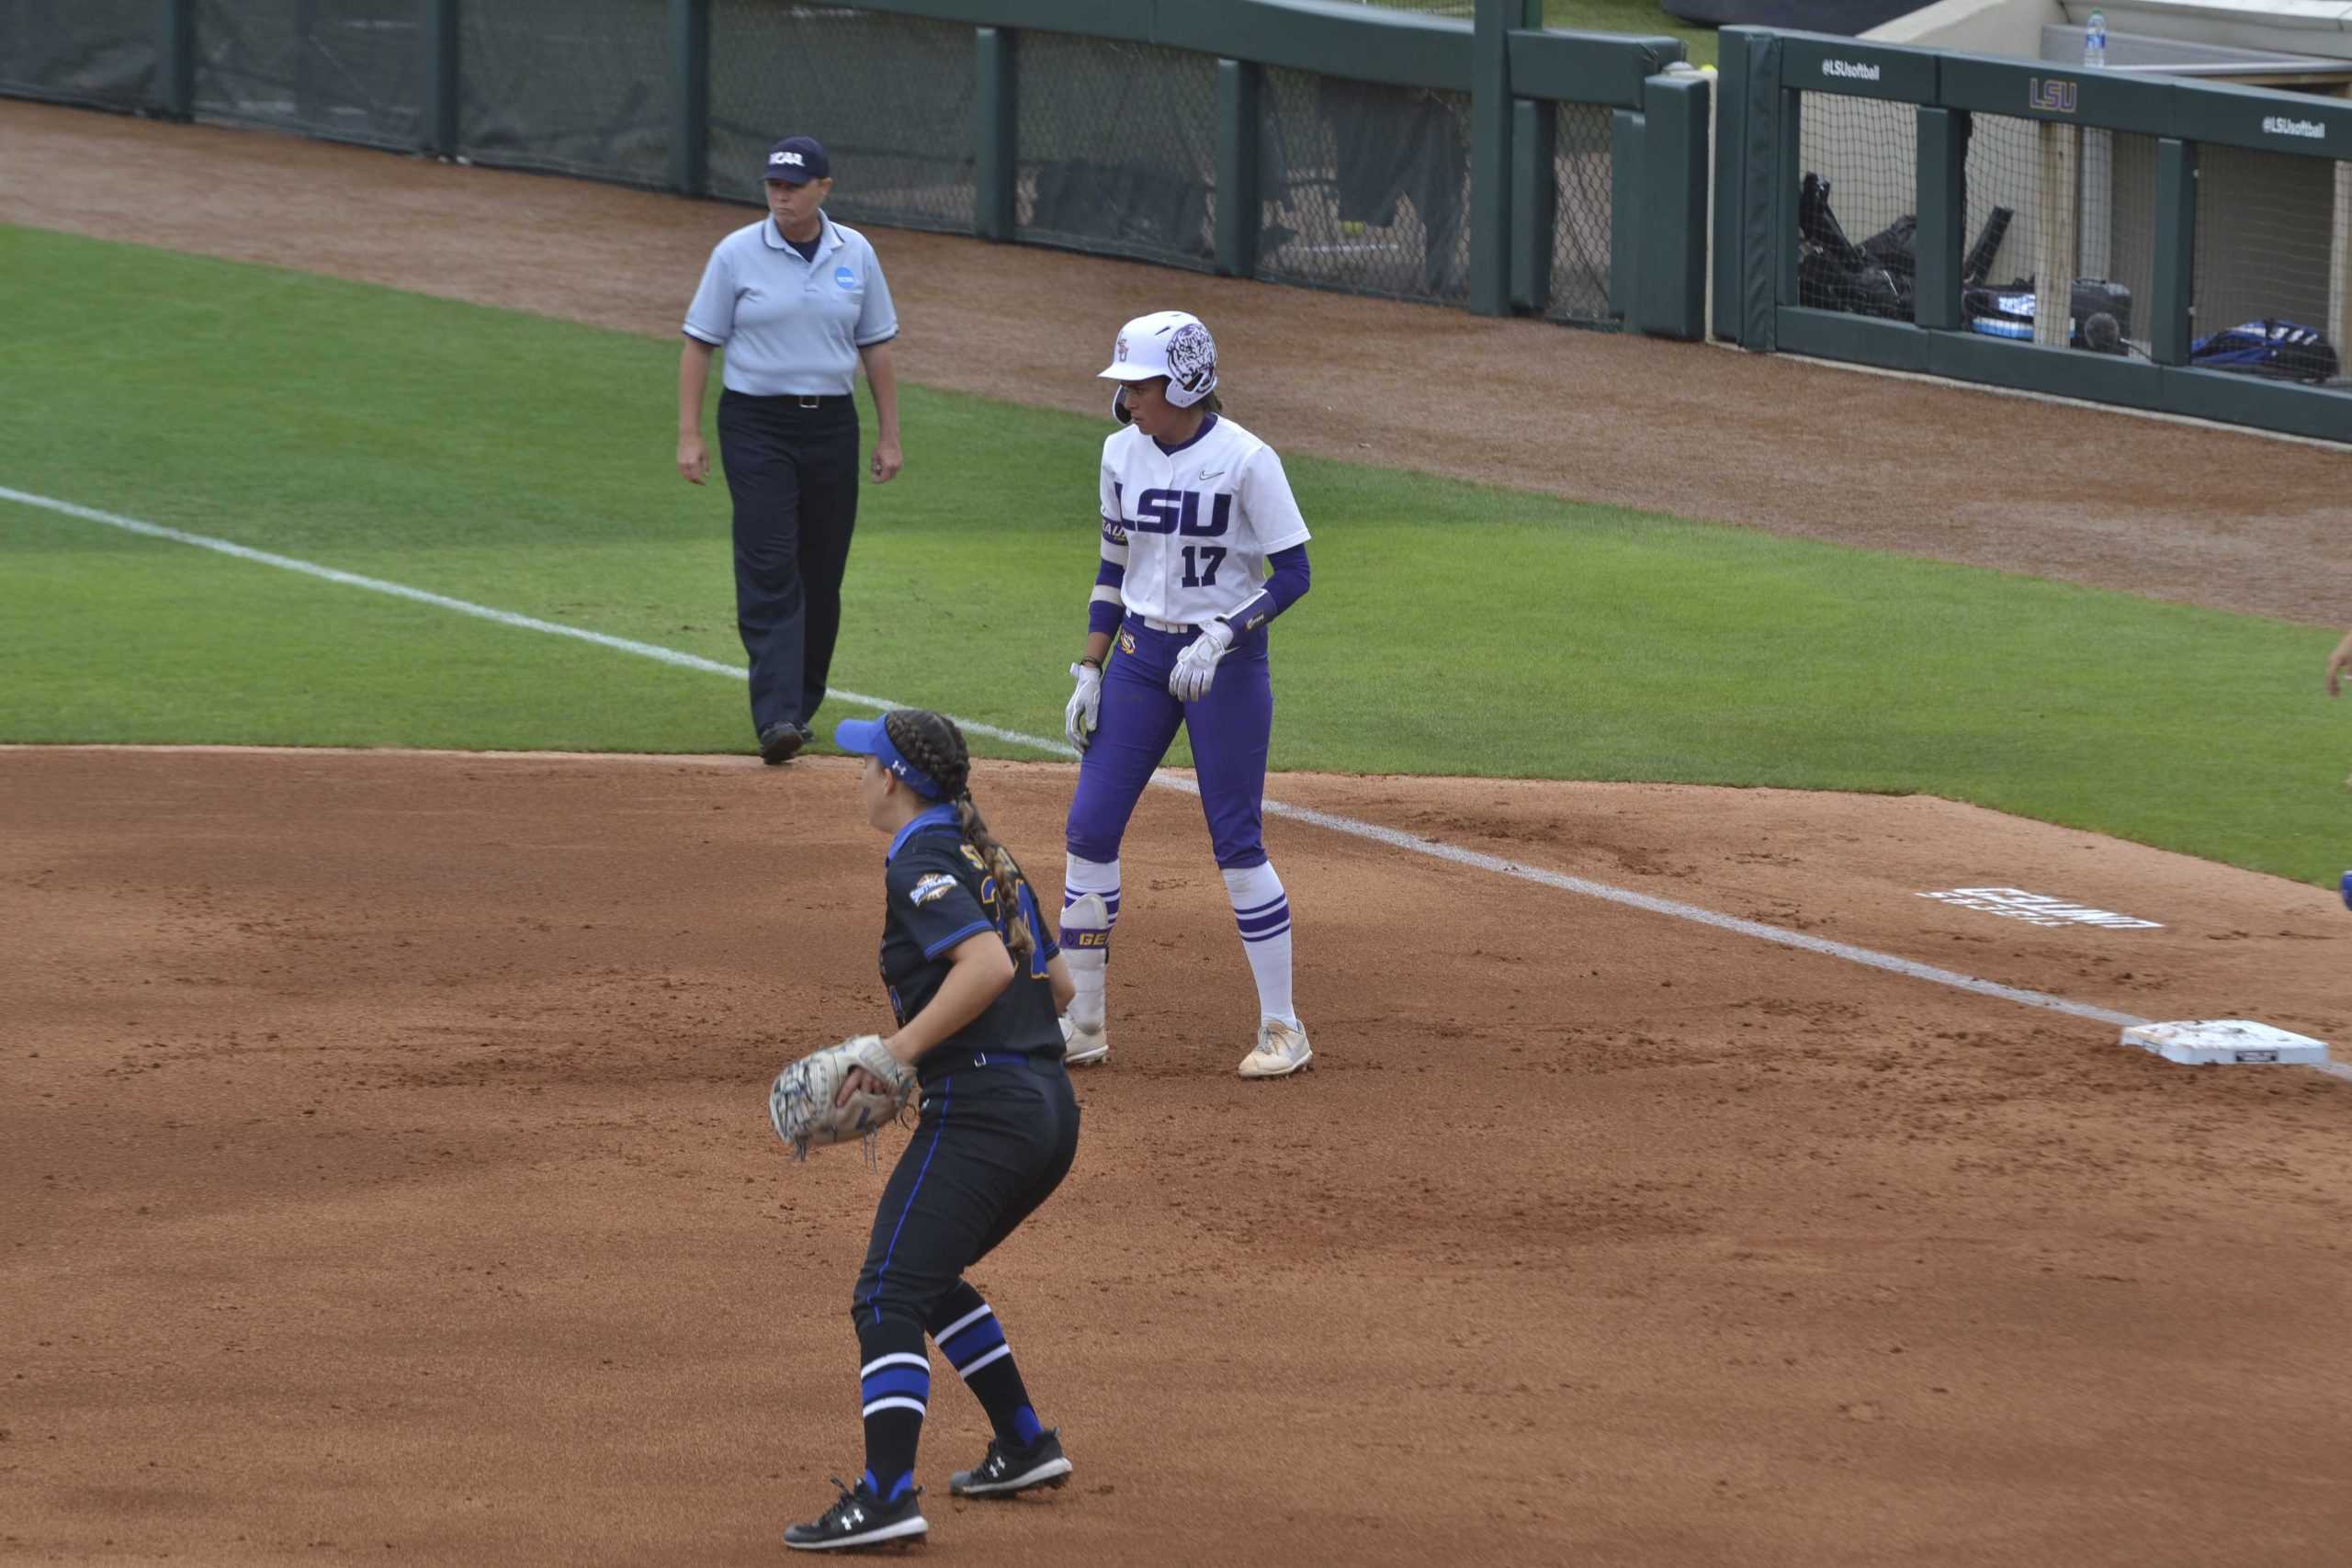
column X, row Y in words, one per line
column 2226, row 1042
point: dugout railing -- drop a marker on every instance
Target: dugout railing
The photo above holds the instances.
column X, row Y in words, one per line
column 2079, row 233
column 1488, row 163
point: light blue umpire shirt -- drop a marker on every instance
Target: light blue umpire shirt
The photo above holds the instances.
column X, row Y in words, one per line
column 789, row 325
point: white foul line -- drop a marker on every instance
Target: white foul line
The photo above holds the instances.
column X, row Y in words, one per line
column 1432, row 848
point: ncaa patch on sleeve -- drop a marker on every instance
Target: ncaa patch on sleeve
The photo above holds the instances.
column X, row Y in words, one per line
column 932, row 888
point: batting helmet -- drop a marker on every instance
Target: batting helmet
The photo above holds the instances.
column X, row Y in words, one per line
column 1167, row 343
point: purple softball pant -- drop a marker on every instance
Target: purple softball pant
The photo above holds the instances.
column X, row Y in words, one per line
column 1229, row 730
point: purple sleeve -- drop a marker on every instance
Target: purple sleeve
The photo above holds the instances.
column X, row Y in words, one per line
column 1286, row 587
column 1289, row 582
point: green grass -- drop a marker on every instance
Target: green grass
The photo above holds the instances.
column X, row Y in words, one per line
column 524, row 464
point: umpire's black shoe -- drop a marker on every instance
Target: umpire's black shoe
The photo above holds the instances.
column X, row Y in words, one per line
column 860, row 1518
column 781, row 743
column 1007, row 1471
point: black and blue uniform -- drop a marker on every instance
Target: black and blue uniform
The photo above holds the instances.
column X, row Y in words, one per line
column 997, row 1132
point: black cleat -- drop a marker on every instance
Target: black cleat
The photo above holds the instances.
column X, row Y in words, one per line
column 860, row 1518
column 1007, row 1470
column 781, row 743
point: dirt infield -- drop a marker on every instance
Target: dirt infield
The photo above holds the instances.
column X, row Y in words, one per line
column 389, row 1181
column 388, row 1177
column 2205, row 516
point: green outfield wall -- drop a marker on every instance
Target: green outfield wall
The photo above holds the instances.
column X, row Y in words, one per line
column 1485, row 164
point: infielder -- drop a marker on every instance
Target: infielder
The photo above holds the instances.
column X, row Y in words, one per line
column 974, row 981
column 1195, row 511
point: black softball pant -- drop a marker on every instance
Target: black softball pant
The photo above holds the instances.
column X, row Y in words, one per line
column 792, row 472
column 993, row 1143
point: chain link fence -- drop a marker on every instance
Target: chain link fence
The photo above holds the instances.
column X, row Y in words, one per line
column 105, row 53
column 577, row 89
column 1364, row 186
column 352, row 70
column 1583, row 174
column 899, row 158
column 2274, row 244
column 1859, row 185
column 1117, row 147
column 2096, row 191
column 1373, row 193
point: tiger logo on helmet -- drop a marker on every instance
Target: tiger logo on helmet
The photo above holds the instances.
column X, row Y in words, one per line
column 1192, row 359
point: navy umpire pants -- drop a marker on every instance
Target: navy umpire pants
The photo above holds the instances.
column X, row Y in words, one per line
column 791, row 466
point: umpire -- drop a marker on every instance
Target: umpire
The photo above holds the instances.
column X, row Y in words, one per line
column 798, row 301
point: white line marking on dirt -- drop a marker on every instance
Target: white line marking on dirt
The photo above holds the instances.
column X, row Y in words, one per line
column 1434, row 849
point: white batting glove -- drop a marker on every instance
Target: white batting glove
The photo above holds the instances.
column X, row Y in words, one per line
column 1196, row 666
column 1085, row 705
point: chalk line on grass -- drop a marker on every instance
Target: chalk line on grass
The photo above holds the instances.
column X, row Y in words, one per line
column 1433, row 849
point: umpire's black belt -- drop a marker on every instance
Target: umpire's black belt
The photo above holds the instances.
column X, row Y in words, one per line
column 796, row 400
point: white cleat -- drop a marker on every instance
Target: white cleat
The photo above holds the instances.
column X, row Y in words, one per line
column 1083, row 1048
column 1282, row 1050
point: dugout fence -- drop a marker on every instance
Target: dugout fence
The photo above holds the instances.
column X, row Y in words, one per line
column 1472, row 159
column 2159, row 244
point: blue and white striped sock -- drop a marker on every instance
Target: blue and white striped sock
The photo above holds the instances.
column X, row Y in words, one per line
column 972, row 1340
column 894, row 1389
column 1261, row 909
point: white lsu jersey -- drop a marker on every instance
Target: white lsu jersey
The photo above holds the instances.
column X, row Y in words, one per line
column 1196, row 525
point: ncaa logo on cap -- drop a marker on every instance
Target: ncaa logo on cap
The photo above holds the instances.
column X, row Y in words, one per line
column 794, row 159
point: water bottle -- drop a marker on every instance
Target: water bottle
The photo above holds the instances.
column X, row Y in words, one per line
column 2095, row 42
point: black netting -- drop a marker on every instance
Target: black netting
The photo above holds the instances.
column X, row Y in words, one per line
column 1857, row 196
column 890, row 97
column 577, row 89
column 2274, row 244
column 354, row 70
column 1373, row 194
column 1117, row 148
column 2102, row 238
column 1580, row 234
column 83, row 52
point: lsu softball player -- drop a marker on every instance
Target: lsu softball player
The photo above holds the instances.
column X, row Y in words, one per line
column 1195, row 512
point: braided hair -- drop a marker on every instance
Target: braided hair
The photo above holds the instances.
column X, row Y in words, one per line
column 934, row 745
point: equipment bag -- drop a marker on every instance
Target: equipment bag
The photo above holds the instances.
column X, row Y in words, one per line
column 2100, row 314
column 2267, row 347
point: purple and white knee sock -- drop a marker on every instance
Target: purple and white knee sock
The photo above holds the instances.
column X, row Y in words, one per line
column 1261, row 909
column 1087, row 966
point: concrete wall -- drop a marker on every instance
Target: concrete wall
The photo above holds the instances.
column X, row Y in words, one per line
column 1978, row 26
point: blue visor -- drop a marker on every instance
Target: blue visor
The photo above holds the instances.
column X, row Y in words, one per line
column 868, row 738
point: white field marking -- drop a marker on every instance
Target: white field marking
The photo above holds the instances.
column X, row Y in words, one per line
column 1433, row 849
column 463, row 607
